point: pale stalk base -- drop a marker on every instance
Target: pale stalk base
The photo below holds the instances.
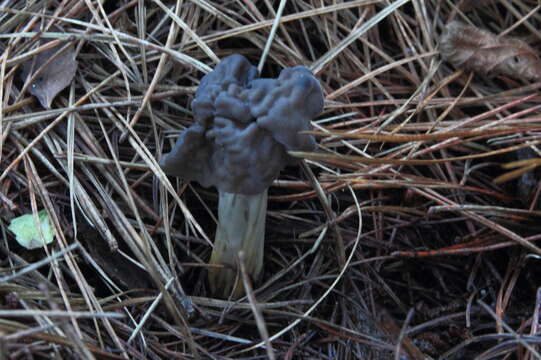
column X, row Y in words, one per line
column 241, row 227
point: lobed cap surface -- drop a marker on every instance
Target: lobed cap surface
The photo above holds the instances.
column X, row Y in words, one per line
column 244, row 127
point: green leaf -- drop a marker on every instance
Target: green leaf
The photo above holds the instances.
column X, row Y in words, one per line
column 27, row 233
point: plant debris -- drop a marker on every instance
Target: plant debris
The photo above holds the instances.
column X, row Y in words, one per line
column 479, row 50
column 29, row 234
column 125, row 273
column 50, row 71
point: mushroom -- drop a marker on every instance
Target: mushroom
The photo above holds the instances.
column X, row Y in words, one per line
column 243, row 130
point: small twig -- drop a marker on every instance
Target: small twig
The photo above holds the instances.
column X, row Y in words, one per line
column 40, row 263
column 255, row 308
column 61, row 314
column 151, row 308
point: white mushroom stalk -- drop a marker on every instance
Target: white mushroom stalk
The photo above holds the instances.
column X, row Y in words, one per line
column 241, row 227
column 243, row 129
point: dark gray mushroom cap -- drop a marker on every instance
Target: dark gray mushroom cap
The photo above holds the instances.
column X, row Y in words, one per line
column 245, row 126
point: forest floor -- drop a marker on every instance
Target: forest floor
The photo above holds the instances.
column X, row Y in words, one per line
column 410, row 233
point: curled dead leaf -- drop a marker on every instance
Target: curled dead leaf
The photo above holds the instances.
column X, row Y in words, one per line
column 53, row 70
column 479, row 50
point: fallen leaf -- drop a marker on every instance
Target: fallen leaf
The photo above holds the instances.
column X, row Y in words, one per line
column 479, row 50
column 55, row 76
column 27, row 233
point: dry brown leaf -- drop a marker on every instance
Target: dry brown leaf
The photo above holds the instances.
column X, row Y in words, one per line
column 52, row 78
column 479, row 50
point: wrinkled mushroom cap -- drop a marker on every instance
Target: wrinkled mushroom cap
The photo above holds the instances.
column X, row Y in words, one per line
column 245, row 126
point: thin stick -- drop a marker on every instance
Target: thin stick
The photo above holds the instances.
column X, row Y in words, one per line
column 40, row 263
column 261, row 326
column 275, row 25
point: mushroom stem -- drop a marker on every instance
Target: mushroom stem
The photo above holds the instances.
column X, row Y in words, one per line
column 241, row 227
